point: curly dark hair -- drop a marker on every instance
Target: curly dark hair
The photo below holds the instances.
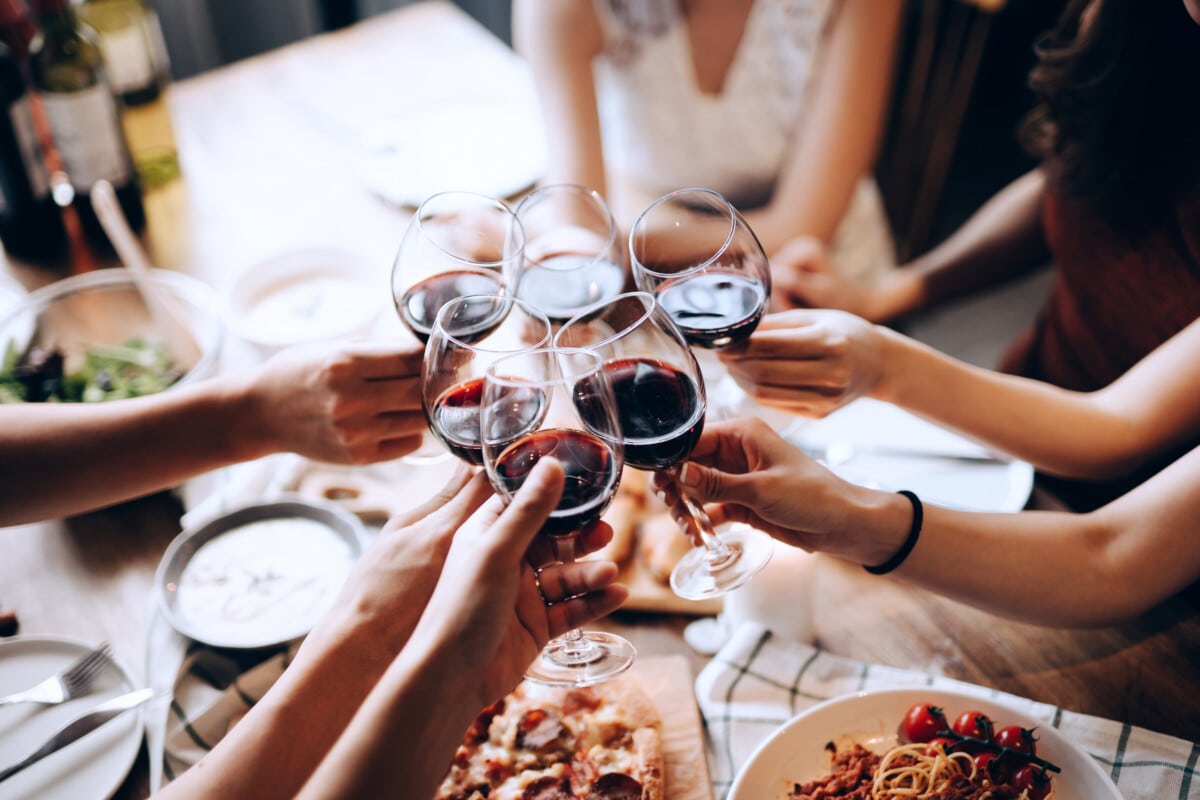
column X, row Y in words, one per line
column 1117, row 124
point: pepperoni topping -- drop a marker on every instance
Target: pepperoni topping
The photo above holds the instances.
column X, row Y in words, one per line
column 615, row 786
column 538, row 729
column 547, row 788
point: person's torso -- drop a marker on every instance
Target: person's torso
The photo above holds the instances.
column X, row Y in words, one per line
column 662, row 132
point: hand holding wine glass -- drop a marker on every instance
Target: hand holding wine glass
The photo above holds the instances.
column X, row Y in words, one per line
column 579, row 429
column 661, row 404
column 456, row 359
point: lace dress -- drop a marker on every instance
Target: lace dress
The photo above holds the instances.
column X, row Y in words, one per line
column 661, row 132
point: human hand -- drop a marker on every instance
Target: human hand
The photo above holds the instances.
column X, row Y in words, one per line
column 346, row 403
column 500, row 598
column 802, row 276
column 808, row 362
column 745, row 472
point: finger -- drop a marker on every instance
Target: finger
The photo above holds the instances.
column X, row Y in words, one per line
column 578, row 611
column 804, row 340
column 381, row 360
column 391, row 449
column 590, row 539
column 512, row 533
column 708, row 485
column 560, row 581
column 464, row 492
column 400, row 393
column 787, row 373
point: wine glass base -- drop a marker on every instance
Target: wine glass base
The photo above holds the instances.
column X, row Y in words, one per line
column 698, row 575
column 597, row 658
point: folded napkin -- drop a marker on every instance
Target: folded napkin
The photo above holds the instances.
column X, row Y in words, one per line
column 759, row 680
column 210, row 691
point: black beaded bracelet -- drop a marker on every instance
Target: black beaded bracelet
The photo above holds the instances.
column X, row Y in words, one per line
column 914, row 533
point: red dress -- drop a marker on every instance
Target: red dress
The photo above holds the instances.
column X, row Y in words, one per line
column 1113, row 301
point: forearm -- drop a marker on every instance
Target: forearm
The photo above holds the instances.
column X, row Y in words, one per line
column 61, row 459
column 1049, row 568
column 838, row 139
column 1062, row 432
column 1002, row 240
column 401, row 743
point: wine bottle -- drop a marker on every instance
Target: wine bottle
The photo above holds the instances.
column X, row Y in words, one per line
column 135, row 57
column 84, row 115
column 31, row 225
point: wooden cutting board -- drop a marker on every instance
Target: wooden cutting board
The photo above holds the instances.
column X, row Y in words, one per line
column 668, row 680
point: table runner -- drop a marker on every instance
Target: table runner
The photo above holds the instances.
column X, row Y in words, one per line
column 759, row 680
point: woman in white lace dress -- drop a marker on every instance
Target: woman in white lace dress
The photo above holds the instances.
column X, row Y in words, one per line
column 777, row 104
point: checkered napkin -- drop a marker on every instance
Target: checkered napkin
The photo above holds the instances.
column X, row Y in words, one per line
column 210, row 691
column 759, row 680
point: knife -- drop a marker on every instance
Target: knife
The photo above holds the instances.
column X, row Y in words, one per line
column 105, row 712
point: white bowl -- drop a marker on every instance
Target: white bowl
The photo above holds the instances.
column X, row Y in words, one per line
column 267, row 584
column 306, row 296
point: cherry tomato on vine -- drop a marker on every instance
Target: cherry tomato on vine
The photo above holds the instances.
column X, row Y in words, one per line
column 1032, row 779
column 985, row 764
column 975, row 724
column 922, row 722
column 1017, row 738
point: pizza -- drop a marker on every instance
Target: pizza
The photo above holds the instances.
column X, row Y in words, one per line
column 598, row 743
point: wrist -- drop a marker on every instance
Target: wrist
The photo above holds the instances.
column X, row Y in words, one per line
column 893, row 359
column 882, row 522
column 895, row 294
column 248, row 414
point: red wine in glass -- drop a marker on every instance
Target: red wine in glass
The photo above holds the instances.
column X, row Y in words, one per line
column 659, row 408
column 455, row 421
column 592, row 475
column 419, row 305
column 714, row 309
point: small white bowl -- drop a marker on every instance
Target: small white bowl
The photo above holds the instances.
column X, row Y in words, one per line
column 306, row 296
column 267, row 582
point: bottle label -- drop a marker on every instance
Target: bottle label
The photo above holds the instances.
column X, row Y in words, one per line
column 31, row 152
column 88, row 136
column 127, row 58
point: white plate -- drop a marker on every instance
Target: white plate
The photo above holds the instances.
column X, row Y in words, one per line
column 93, row 767
column 494, row 149
column 1000, row 485
column 796, row 752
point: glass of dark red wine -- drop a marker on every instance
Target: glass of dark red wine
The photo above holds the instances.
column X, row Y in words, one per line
column 573, row 252
column 577, row 425
column 694, row 251
column 660, row 408
column 457, row 358
column 458, row 243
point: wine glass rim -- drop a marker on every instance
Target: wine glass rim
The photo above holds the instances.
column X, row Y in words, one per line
column 594, row 195
column 494, row 375
column 731, row 215
column 496, row 204
column 649, row 302
column 507, row 298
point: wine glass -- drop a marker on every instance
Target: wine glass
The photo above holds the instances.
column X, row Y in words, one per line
column 456, row 359
column 577, row 425
column 694, row 251
column 660, row 407
column 458, row 243
column 573, row 254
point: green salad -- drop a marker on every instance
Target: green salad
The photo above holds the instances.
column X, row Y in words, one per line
column 109, row 372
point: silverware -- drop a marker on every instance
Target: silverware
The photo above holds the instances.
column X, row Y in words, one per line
column 837, row 453
column 72, row 682
column 78, row 728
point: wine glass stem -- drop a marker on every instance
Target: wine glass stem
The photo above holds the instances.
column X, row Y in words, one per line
column 697, row 525
column 574, row 646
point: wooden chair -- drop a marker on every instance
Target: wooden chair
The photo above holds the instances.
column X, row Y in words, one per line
column 939, row 63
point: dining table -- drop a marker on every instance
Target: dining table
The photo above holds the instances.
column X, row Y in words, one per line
column 271, row 149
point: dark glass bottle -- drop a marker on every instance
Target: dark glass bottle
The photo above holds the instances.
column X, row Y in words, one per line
column 31, row 225
column 68, row 73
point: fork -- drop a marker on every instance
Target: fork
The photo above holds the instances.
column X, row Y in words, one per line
column 72, row 682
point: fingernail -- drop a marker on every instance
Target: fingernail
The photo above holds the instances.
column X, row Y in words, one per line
column 689, row 475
